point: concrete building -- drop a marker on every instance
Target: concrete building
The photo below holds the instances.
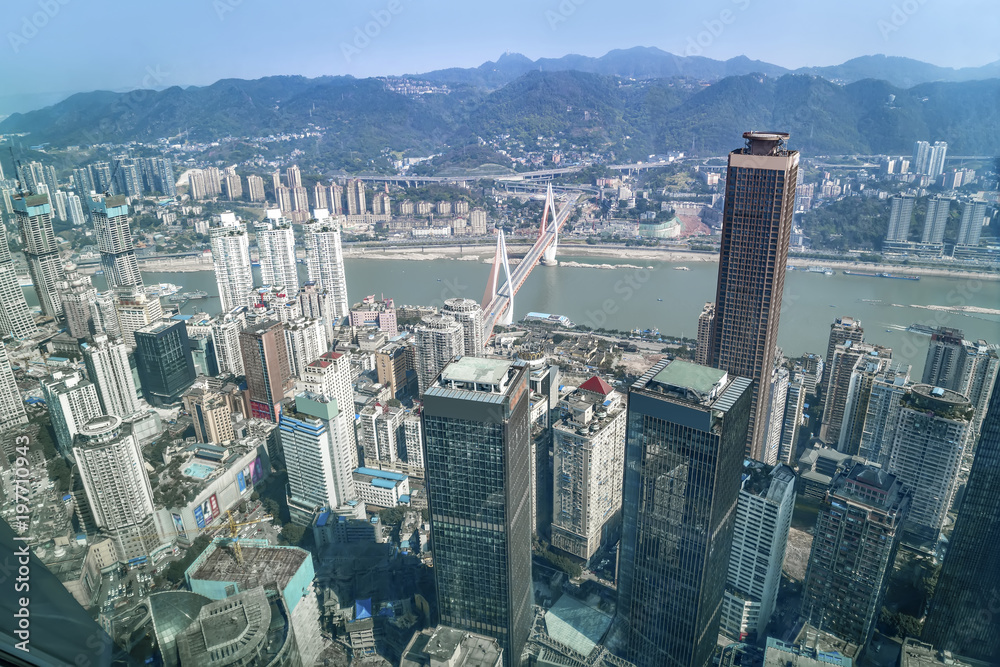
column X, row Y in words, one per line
column 325, row 260
column 381, row 435
column 442, row 645
column 469, row 314
column 915, row 653
column 775, row 414
column 231, row 260
column 255, row 188
column 900, row 216
column 114, row 477
column 795, row 397
column 33, row 215
column 306, row 340
column 971, row 226
column 763, row 518
column 392, row 364
column 16, row 320
column 211, row 413
column 782, row 654
column 842, row 330
column 72, row 402
column 331, row 376
column 287, row 575
column 928, row 443
column 588, row 449
column 477, row 220
column 683, row 458
column 109, row 369
column 860, row 521
column 705, row 321
column 936, row 220
column 226, row 341
column 970, row 576
column 375, row 312
column 114, row 240
column 76, row 292
column 134, row 309
column 163, row 361
column 104, row 315
column 267, row 369
column 849, row 360
column 752, row 264
column 438, row 339
column 12, row 411
column 381, row 488
column 477, row 444
column 276, row 246
column 880, row 413
column 356, row 197
column 875, row 367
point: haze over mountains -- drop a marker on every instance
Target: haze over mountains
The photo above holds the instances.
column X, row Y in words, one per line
column 635, row 102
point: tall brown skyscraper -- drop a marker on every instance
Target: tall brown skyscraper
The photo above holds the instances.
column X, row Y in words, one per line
column 757, row 223
column 268, row 371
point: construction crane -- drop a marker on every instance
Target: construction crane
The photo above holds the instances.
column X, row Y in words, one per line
column 234, row 533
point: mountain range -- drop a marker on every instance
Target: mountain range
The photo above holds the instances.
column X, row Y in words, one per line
column 641, row 101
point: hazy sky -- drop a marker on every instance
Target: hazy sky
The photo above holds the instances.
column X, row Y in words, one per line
column 53, row 48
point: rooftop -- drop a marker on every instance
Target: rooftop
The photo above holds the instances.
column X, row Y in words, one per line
column 477, row 370
column 781, row 654
column 918, row 654
column 684, row 374
column 448, row 646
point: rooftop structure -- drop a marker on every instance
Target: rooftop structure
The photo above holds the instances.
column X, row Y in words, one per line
column 443, row 645
column 782, row 654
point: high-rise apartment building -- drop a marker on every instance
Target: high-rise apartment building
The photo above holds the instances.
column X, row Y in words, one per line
column 860, row 521
column 874, row 366
column 469, row 314
column 114, row 477
column 114, row 240
column 763, row 518
column 255, row 188
column 33, row 214
column 265, row 362
column 477, row 431
column 231, row 259
column 936, row 220
column 945, row 362
column 336, row 199
column 588, row 448
column 325, row 260
column 756, row 226
column 321, row 197
column 794, row 408
column 438, row 339
column 294, row 176
column 900, row 216
column 305, row 339
column 963, row 614
column 134, row 309
column 109, row 369
column 226, row 340
column 12, row 412
column 391, row 365
column 881, row 414
column 381, row 434
column 936, row 157
column 971, row 225
column 77, row 293
column 163, row 361
column 300, row 198
column 15, row 316
column 211, row 413
column 684, row 452
column 331, row 376
column 276, row 245
column 83, row 181
column 104, row 315
column 778, row 391
column 356, row 197
column 849, row 359
column 929, row 440
column 232, row 186
column 705, row 321
column 921, row 155
column 72, row 401
column 842, row 330
column 74, row 210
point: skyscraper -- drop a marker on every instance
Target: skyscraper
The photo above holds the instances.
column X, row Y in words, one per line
column 859, row 522
column 842, row 330
column 935, row 159
column 319, row 465
column 255, row 188
column 72, row 402
column 476, row 425
column 794, row 408
column 231, row 258
column 778, row 391
column 438, row 339
column 963, row 613
column 34, row 219
column 936, row 220
column 469, row 314
column 687, row 428
column 330, row 376
column 276, row 245
column 15, row 316
column 971, row 226
column 77, row 293
column 900, row 215
column 945, row 362
column 114, row 477
column 226, row 340
column 134, row 309
column 325, row 260
column 265, row 362
column 705, row 321
column 305, row 339
column 12, row 411
column 921, row 156
column 109, row 369
column 925, row 455
column 163, row 361
column 850, row 359
column 756, row 226
column 763, row 518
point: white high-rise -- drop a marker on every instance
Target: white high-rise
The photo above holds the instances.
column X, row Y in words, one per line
column 33, row 214
column 276, row 245
column 325, row 259
column 109, row 369
column 776, row 415
column 12, row 411
column 936, row 220
column 971, row 227
column 74, row 210
column 900, row 215
column 305, row 339
column 469, row 314
column 331, row 376
column 118, row 491
column 763, row 518
column 72, row 402
column 438, row 339
column 15, row 316
column 231, row 258
column 226, row 339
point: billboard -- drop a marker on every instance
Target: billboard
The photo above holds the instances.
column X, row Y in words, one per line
column 213, row 502
column 206, row 511
column 199, row 517
column 179, row 526
column 256, row 470
column 241, row 481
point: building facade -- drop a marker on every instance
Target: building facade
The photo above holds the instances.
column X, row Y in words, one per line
column 33, row 214
column 231, row 260
column 163, row 361
column 109, row 369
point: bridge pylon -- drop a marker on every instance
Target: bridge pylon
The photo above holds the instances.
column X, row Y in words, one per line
column 549, row 256
column 493, row 287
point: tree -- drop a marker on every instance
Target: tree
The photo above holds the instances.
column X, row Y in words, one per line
column 59, row 473
column 292, row 534
column 392, row 515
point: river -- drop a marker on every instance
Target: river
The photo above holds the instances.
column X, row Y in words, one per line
column 669, row 300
